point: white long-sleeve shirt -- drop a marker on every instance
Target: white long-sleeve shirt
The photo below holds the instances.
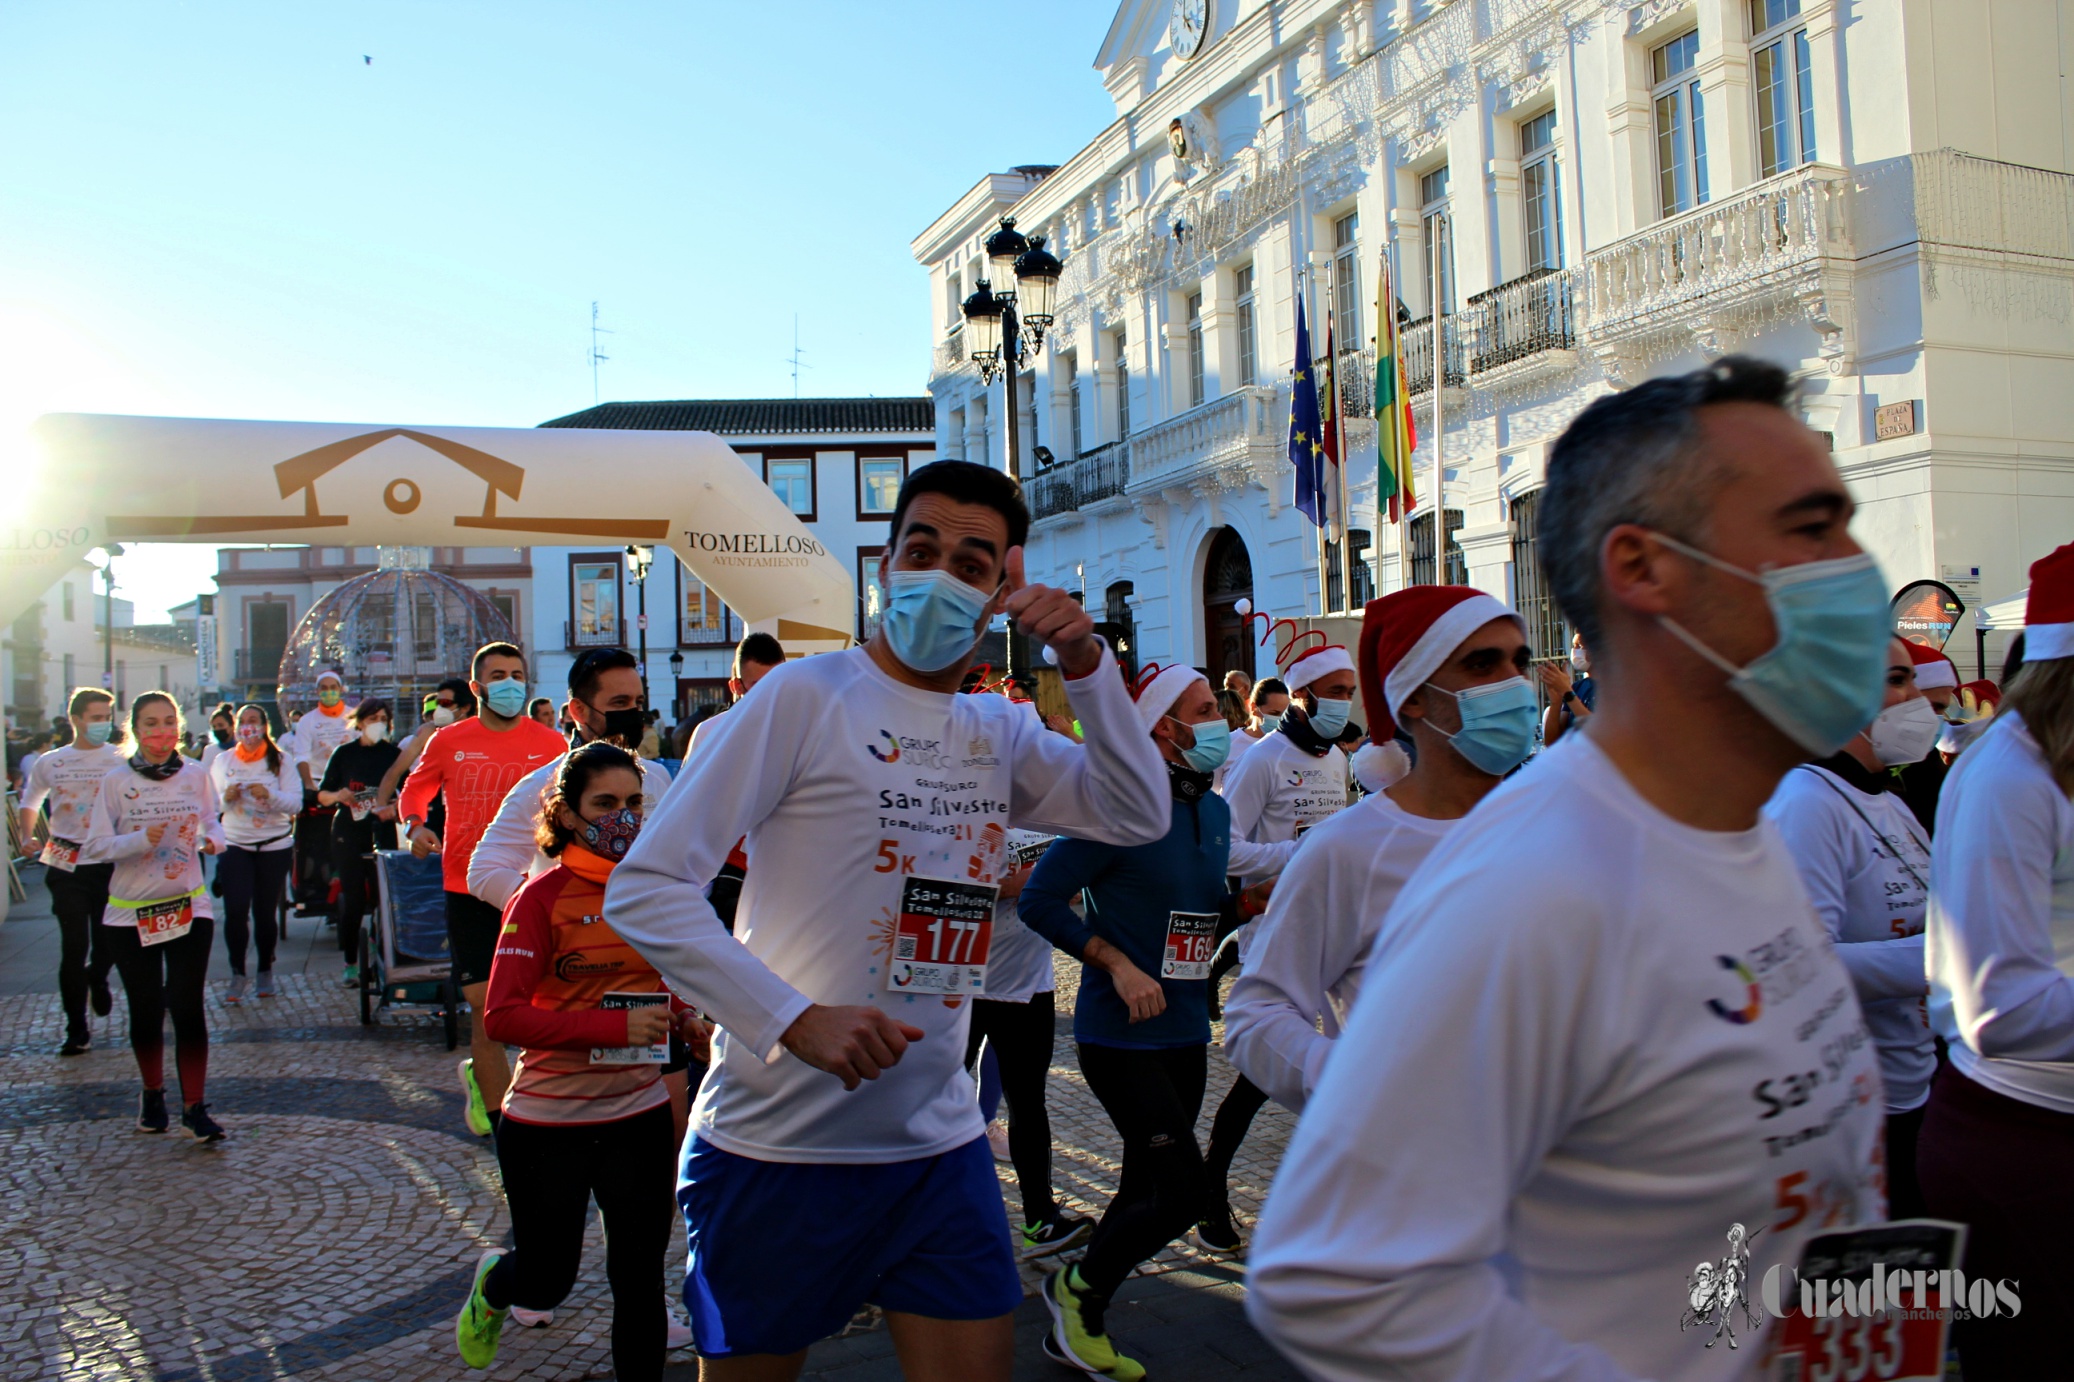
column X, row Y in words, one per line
column 248, row 822
column 1304, row 963
column 2001, row 933
column 317, row 734
column 126, row 806
column 1278, row 792
column 1868, row 875
column 508, row 853
column 70, row 780
column 1563, row 1080
column 850, row 786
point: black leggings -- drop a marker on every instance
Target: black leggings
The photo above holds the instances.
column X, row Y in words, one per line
column 1153, row 1097
column 550, row 1174
column 353, row 862
column 1227, row 1131
column 252, row 880
column 77, row 900
column 1021, row 1035
column 163, row 978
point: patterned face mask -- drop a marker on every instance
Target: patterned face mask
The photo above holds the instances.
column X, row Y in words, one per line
column 610, row 836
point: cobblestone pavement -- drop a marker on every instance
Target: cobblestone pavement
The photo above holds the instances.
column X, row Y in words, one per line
column 334, row 1234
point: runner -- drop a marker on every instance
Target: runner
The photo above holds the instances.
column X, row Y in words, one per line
column 587, row 1114
column 1446, row 665
column 223, row 733
column 256, row 785
column 1550, row 1099
column 1922, row 781
column 1998, row 1136
column 1151, row 909
column 357, row 828
column 542, row 708
column 1268, row 703
column 153, row 819
column 310, row 742
column 755, row 656
column 451, row 702
column 837, row 1156
column 70, row 780
column 473, row 764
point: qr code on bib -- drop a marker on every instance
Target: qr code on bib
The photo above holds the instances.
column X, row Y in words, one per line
column 904, row 948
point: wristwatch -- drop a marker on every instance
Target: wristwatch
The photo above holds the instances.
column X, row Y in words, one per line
column 1569, row 697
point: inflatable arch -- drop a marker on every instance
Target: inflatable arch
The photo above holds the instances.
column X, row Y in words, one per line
column 101, row 479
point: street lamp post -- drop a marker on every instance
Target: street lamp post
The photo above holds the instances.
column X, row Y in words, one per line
column 639, row 559
column 107, row 566
column 676, row 681
column 997, row 322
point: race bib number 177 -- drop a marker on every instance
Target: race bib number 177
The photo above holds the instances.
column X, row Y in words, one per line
column 941, row 937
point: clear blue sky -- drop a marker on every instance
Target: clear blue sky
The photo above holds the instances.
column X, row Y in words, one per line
column 220, row 210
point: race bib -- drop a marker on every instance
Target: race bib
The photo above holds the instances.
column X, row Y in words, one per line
column 656, row 1054
column 941, row 936
column 1874, row 1302
column 159, row 922
column 62, row 855
column 1191, row 941
column 361, row 804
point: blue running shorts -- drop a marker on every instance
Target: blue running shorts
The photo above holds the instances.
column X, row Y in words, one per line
column 784, row 1253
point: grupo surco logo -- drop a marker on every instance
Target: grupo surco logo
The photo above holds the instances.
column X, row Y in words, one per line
column 906, row 748
column 755, row 549
column 1771, row 971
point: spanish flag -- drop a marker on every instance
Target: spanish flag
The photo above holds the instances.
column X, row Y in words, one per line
column 1395, row 437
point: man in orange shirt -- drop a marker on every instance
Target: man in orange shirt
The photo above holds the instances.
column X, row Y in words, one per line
column 474, row 763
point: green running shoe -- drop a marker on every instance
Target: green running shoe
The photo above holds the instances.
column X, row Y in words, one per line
column 477, row 1114
column 1077, row 1338
column 479, row 1324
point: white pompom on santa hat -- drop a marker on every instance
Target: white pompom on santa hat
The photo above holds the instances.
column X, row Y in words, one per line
column 2049, row 608
column 1408, row 635
column 1933, row 668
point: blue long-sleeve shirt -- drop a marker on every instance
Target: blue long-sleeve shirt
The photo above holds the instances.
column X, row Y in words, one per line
column 1130, row 891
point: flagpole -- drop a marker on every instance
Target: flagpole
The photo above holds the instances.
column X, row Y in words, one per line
column 1305, row 281
column 1439, row 387
column 1339, row 442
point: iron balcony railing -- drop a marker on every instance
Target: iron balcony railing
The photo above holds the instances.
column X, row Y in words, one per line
column 1099, row 474
column 602, row 636
column 1417, row 341
column 1512, row 321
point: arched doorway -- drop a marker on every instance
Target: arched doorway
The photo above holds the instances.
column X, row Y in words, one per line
column 1227, row 579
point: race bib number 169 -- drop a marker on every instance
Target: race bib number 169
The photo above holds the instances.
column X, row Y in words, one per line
column 941, row 937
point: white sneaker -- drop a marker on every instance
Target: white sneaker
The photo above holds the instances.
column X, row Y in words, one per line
column 235, row 994
column 265, row 987
column 532, row 1319
column 997, row 1138
column 678, row 1337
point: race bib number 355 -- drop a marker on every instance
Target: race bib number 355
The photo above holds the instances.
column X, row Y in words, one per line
column 1191, row 940
column 940, row 939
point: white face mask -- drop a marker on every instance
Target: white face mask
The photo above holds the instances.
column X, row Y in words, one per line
column 1904, row 733
column 374, row 733
column 443, row 716
column 1580, row 660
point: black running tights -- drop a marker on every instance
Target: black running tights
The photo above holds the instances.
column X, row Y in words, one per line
column 1153, row 1097
column 551, row 1172
column 161, row 979
column 252, row 880
column 1021, row 1035
column 1227, row 1131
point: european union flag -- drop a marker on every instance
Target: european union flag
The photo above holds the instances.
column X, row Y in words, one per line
column 1306, row 439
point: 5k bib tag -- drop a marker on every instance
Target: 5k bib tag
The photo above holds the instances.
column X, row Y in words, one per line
column 159, row 922
column 1191, row 941
column 941, row 937
column 655, row 1054
column 1874, row 1302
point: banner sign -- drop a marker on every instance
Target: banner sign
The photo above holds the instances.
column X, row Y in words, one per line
column 1926, row 612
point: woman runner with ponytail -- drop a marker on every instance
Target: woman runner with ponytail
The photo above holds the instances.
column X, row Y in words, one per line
column 588, row 1114
column 154, row 819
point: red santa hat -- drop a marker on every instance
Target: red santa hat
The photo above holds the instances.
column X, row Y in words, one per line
column 1407, row 635
column 1157, row 688
column 1933, row 668
column 1303, row 661
column 2049, row 610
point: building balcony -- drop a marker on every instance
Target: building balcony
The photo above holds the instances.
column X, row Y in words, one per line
column 1224, row 444
column 576, row 635
column 709, row 631
column 1416, row 342
column 1068, row 487
column 1514, row 321
column 1782, row 244
column 949, row 357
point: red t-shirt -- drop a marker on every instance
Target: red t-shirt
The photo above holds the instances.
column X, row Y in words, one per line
column 477, row 767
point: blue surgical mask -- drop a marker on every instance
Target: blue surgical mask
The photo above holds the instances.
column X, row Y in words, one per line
column 1497, row 729
column 97, row 733
column 1330, row 717
column 1212, row 745
column 507, row 698
column 931, row 618
column 1270, row 723
column 1825, row 678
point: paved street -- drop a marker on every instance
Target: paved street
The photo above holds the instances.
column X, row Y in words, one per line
column 333, row 1236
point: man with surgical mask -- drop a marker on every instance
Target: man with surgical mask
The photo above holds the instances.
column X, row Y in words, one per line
column 837, row 1152
column 1292, row 780
column 1866, row 863
column 1548, row 1100
column 1447, row 665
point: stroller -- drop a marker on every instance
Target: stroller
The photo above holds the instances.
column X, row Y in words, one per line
column 403, row 952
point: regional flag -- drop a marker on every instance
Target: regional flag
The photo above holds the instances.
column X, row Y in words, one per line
column 1306, row 444
column 1395, row 437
